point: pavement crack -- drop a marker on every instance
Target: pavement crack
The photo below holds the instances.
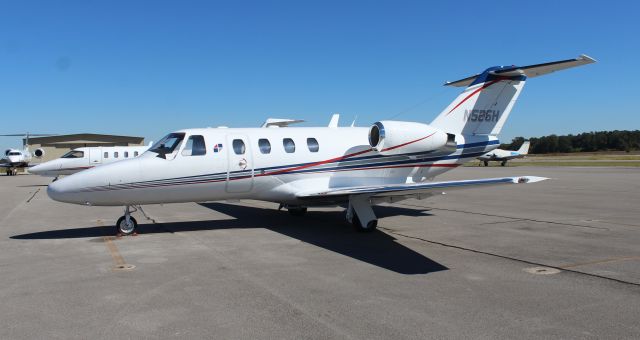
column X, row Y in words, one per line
column 34, row 195
column 476, row 251
column 510, row 217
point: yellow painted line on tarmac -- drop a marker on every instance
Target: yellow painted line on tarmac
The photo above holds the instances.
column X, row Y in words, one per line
column 119, row 263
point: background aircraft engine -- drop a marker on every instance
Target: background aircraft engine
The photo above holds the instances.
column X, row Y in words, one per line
column 395, row 137
column 38, row 152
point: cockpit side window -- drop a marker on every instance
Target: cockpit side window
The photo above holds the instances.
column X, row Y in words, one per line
column 73, row 154
column 195, row 146
column 168, row 144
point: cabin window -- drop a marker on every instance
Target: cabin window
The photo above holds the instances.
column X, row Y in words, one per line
column 135, row 154
column 126, row 154
column 264, row 145
column 73, row 154
column 238, row 146
column 115, row 154
column 289, row 145
column 106, row 155
column 195, row 146
column 313, row 145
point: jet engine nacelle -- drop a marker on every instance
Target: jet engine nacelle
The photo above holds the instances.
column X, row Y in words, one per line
column 395, row 137
column 38, row 153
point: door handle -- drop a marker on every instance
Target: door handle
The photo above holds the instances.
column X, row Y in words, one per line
column 243, row 163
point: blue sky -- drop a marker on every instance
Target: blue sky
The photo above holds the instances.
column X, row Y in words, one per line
column 149, row 67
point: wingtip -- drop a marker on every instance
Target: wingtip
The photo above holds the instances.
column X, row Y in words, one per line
column 587, row 58
column 529, row 179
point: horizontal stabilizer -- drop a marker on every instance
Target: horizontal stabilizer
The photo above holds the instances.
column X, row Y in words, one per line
column 280, row 122
column 530, row 71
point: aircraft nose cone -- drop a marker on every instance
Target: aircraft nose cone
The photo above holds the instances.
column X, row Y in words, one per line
column 64, row 190
column 37, row 170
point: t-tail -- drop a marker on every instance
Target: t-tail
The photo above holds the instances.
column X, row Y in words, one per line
column 484, row 106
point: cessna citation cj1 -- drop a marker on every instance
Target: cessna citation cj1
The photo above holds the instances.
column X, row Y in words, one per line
column 84, row 158
column 315, row 166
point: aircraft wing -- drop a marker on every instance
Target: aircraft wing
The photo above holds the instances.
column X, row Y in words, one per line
column 412, row 189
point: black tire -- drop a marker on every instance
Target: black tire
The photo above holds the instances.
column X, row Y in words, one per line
column 503, row 163
column 122, row 229
column 297, row 211
column 486, row 163
column 371, row 226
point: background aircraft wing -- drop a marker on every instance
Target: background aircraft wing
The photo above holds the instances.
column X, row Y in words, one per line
column 412, row 189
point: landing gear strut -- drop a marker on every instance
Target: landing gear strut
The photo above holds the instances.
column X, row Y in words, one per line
column 503, row 163
column 486, row 163
column 126, row 224
column 361, row 215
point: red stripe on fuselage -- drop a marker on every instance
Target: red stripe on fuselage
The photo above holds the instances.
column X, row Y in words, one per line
column 476, row 92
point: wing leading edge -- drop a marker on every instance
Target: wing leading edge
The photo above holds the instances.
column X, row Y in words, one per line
column 413, row 189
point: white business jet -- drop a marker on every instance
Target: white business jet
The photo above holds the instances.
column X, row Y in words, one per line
column 84, row 158
column 15, row 159
column 502, row 156
column 302, row 167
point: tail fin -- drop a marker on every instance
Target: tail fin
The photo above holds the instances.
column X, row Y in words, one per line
column 524, row 148
column 484, row 106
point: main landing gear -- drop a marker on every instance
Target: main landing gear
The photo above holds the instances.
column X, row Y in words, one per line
column 294, row 210
column 503, row 163
column 12, row 171
column 126, row 224
column 361, row 215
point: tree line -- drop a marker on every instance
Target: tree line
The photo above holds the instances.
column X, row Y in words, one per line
column 584, row 142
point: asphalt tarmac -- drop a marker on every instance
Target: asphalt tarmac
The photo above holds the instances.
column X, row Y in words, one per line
column 556, row 259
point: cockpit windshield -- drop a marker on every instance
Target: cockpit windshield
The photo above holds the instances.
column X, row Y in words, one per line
column 14, row 153
column 168, row 144
column 73, row 154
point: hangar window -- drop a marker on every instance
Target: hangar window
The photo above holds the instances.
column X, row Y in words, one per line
column 313, row 145
column 195, row 146
column 126, row 154
column 238, row 147
column 73, row 154
column 135, row 154
column 264, row 145
column 106, row 155
column 289, row 145
column 115, row 154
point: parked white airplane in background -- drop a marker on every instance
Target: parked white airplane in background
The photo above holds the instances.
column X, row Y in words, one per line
column 502, row 156
column 15, row 159
column 314, row 166
column 84, row 158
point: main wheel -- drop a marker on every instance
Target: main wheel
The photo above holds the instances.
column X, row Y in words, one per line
column 371, row 226
column 297, row 211
column 503, row 163
column 126, row 229
column 486, row 163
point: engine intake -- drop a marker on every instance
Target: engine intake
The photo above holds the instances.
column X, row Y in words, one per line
column 38, row 152
column 396, row 137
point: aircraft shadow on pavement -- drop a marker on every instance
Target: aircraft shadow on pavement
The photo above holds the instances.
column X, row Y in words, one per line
column 325, row 229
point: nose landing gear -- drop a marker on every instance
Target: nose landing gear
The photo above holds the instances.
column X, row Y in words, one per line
column 126, row 224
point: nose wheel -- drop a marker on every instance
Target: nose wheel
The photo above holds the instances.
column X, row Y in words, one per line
column 126, row 224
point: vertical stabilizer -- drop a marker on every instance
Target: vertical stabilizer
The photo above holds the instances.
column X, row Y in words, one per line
column 485, row 104
column 524, row 148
